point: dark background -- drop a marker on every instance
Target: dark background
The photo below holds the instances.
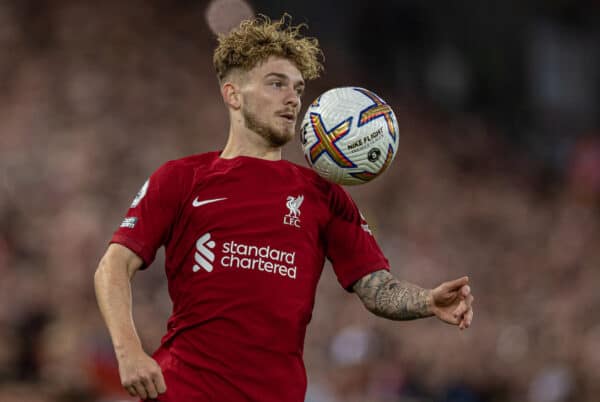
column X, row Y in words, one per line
column 498, row 177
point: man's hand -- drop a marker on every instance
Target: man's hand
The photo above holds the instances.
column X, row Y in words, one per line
column 141, row 375
column 388, row 297
column 451, row 302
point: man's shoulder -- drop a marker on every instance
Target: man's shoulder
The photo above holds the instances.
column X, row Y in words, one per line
column 313, row 177
column 181, row 172
column 307, row 173
column 188, row 164
column 192, row 161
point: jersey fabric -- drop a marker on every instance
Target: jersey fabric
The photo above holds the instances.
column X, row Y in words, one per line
column 245, row 243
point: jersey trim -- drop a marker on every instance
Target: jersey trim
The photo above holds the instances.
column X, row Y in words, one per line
column 144, row 253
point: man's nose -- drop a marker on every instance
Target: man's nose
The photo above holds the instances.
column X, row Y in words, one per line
column 293, row 99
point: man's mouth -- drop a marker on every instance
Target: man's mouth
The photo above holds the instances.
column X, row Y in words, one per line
column 288, row 116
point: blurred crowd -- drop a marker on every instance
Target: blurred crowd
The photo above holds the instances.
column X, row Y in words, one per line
column 95, row 96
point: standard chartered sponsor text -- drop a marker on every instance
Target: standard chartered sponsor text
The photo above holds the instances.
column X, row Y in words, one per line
column 266, row 258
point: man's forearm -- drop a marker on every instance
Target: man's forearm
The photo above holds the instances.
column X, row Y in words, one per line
column 388, row 297
column 113, row 292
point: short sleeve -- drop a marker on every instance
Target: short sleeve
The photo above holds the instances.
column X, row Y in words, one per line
column 350, row 245
column 149, row 220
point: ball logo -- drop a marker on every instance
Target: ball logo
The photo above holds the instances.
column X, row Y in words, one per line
column 204, row 256
column 374, row 155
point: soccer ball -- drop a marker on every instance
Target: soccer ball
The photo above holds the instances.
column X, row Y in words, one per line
column 349, row 135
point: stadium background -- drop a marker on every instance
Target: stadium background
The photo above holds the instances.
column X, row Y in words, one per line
column 498, row 176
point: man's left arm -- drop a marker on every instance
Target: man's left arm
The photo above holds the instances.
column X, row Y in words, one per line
column 388, row 297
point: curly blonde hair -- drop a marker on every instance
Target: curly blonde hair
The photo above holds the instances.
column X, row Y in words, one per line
column 255, row 40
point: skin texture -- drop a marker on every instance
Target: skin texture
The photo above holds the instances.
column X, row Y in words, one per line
column 385, row 296
column 395, row 299
column 263, row 104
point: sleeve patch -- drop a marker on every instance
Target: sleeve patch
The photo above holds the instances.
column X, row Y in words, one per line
column 140, row 194
column 129, row 222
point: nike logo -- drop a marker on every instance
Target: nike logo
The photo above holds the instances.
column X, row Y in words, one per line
column 197, row 203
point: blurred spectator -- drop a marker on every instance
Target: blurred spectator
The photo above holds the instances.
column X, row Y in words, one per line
column 97, row 95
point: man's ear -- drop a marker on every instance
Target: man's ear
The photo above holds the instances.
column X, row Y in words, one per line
column 231, row 95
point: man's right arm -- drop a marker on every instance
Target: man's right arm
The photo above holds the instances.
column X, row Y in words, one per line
column 140, row 374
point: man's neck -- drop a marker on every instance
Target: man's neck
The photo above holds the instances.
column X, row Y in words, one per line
column 246, row 145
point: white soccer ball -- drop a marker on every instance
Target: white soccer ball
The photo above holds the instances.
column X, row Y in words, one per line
column 349, row 135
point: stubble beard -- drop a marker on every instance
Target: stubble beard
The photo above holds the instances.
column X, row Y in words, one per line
column 275, row 137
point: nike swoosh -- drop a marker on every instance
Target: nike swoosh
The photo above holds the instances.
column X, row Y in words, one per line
column 197, row 203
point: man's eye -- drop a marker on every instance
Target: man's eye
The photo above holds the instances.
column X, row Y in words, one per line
column 277, row 84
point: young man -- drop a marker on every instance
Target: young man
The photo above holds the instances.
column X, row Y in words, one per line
column 242, row 273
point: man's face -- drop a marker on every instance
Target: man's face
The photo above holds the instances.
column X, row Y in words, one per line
column 271, row 95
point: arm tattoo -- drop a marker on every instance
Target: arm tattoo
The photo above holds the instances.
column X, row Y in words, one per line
column 388, row 297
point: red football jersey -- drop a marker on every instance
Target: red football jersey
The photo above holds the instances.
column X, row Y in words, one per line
column 245, row 242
